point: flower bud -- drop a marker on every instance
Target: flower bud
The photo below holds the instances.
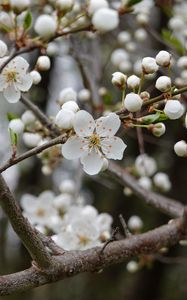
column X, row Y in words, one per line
column 124, row 37
column 119, row 79
column 161, row 181
column 101, row 17
column 52, row 49
column 140, row 35
column 67, row 94
column 133, row 102
column 31, row 139
column 45, row 26
column 36, row 77
column 145, row 165
column 70, row 105
column 180, row 148
column 46, row 170
column 28, row 117
column 173, row 109
column 3, row 48
column 64, row 5
column 163, row 84
column 127, row 191
column 135, row 223
column 95, row 5
column 145, row 182
column 84, row 95
column 182, row 62
column 64, row 119
column 16, row 125
column 67, row 186
column 145, row 95
column 133, row 81
column 19, row 5
column 163, row 58
column 158, row 129
column 132, row 266
column 43, row 63
column 149, row 65
column 119, row 55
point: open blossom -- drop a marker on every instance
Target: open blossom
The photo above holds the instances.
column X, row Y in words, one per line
column 14, row 79
column 94, row 141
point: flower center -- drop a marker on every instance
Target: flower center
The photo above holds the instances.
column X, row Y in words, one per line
column 94, row 140
column 83, row 240
column 40, row 212
column 11, row 76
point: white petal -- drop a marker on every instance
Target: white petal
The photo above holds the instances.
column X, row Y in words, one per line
column 113, row 148
column 84, row 123
column 20, row 64
column 108, row 126
column 3, row 83
column 92, row 163
column 24, row 83
column 73, row 148
column 11, row 94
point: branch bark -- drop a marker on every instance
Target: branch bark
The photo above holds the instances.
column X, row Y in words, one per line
column 74, row 262
column 23, row 228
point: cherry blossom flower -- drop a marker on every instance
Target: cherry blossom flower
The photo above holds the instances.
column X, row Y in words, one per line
column 94, row 141
column 14, row 78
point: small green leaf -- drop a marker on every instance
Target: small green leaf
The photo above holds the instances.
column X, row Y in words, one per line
column 132, row 2
column 27, row 20
column 173, row 41
column 11, row 116
column 13, row 137
column 151, row 118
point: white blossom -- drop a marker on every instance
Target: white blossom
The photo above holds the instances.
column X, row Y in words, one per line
column 94, row 5
column 135, row 223
column 28, row 117
column 100, row 19
column 67, row 94
column 145, row 165
column 36, row 77
column 45, row 26
column 119, row 79
column 133, row 102
column 149, row 65
column 133, row 81
column 162, row 181
column 64, row 118
column 71, row 105
column 158, row 129
column 43, row 63
column 31, row 139
column 14, row 78
column 93, row 141
column 19, row 5
column 173, row 109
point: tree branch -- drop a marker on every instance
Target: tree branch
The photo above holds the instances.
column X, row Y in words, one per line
column 74, row 262
column 166, row 205
column 23, row 228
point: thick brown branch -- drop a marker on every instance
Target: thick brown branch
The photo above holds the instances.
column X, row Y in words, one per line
column 74, row 262
column 22, row 227
column 162, row 203
column 59, row 140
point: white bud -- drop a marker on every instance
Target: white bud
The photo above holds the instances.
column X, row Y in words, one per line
column 52, row 49
column 142, row 19
column 84, row 95
column 19, row 5
column 135, row 223
column 132, row 266
column 125, row 66
column 163, row 58
column 31, row 139
column 28, row 117
column 64, row 119
column 133, row 81
column 158, row 129
column 127, row 191
column 119, row 79
column 101, row 17
column 140, row 34
column 145, row 182
column 182, row 62
column 43, row 63
column 133, row 102
column 67, row 94
column 67, row 186
column 119, row 55
column 45, row 26
column 161, row 181
column 173, row 109
column 163, row 83
column 149, row 65
column 65, row 5
column 70, row 105
column 183, row 242
column 46, row 170
column 124, row 37
column 131, row 46
column 3, row 48
column 94, row 5
column 180, row 148
column 145, row 165
column 145, row 95
column 176, row 23
column 36, row 77
column 16, row 125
